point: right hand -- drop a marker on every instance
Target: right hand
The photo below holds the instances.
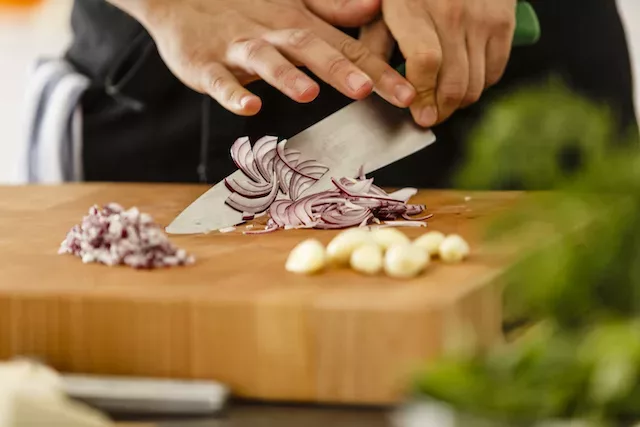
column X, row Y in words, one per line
column 218, row 46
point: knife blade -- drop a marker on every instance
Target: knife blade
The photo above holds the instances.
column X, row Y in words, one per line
column 370, row 133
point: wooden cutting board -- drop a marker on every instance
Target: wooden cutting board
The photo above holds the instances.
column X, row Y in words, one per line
column 236, row 316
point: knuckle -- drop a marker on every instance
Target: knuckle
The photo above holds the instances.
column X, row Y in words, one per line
column 217, row 84
column 454, row 14
column 354, row 50
column 301, row 38
column 338, row 65
column 253, row 48
column 429, row 60
column 472, row 96
column 503, row 25
column 452, row 93
column 285, row 75
column 232, row 96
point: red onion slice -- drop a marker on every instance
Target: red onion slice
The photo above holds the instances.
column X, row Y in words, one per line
column 254, row 206
column 265, row 153
column 348, row 192
column 242, row 156
column 277, row 211
column 312, row 169
column 298, row 184
column 248, row 188
column 282, row 154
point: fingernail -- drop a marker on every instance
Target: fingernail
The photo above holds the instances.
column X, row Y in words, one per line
column 357, row 81
column 404, row 94
column 244, row 101
column 301, row 86
column 428, row 116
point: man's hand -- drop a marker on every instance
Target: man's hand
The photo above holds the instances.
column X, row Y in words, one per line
column 455, row 49
column 218, row 46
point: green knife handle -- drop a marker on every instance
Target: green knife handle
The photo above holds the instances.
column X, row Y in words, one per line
column 527, row 31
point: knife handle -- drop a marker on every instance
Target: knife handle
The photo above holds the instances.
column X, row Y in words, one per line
column 527, row 32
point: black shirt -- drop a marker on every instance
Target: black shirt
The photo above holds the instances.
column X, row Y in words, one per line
column 142, row 124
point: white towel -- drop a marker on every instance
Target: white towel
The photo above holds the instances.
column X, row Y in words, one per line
column 53, row 117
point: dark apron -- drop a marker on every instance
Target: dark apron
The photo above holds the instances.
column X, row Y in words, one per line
column 141, row 124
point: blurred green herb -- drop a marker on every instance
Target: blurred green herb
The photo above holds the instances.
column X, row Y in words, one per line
column 584, row 280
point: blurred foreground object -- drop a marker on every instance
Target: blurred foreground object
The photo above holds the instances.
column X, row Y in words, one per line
column 582, row 364
column 32, row 395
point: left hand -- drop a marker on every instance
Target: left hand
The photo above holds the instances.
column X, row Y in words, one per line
column 454, row 49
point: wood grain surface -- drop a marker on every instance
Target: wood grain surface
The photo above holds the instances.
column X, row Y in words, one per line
column 236, row 316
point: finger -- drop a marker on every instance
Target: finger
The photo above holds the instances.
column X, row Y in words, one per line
column 420, row 45
column 219, row 83
column 388, row 82
column 476, row 50
column 497, row 54
column 305, row 47
column 453, row 80
column 378, row 39
column 345, row 13
column 262, row 59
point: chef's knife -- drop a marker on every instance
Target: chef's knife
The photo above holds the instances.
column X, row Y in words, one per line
column 370, row 133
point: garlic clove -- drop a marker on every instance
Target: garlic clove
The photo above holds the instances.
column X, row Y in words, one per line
column 403, row 261
column 430, row 242
column 339, row 250
column 367, row 259
column 308, row 257
column 387, row 237
column 454, row 249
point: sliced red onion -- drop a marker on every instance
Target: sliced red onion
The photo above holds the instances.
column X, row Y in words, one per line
column 248, row 189
column 312, row 169
column 294, row 167
column 298, row 184
column 350, row 193
column 254, row 206
column 242, row 156
column 265, row 154
column 353, row 202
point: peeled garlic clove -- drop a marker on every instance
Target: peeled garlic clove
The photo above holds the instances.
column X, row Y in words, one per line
column 307, row 258
column 367, row 259
column 454, row 249
column 430, row 242
column 403, row 261
column 387, row 237
column 342, row 246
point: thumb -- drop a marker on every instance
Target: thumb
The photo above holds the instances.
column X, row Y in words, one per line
column 346, row 13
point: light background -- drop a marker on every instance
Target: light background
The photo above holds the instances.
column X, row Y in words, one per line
column 25, row 36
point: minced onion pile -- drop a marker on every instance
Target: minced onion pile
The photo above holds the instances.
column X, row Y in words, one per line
column 277, row 178
column 112, row 235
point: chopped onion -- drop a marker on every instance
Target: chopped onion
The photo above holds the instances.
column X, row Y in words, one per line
column 113, row 236
column 277, row 178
